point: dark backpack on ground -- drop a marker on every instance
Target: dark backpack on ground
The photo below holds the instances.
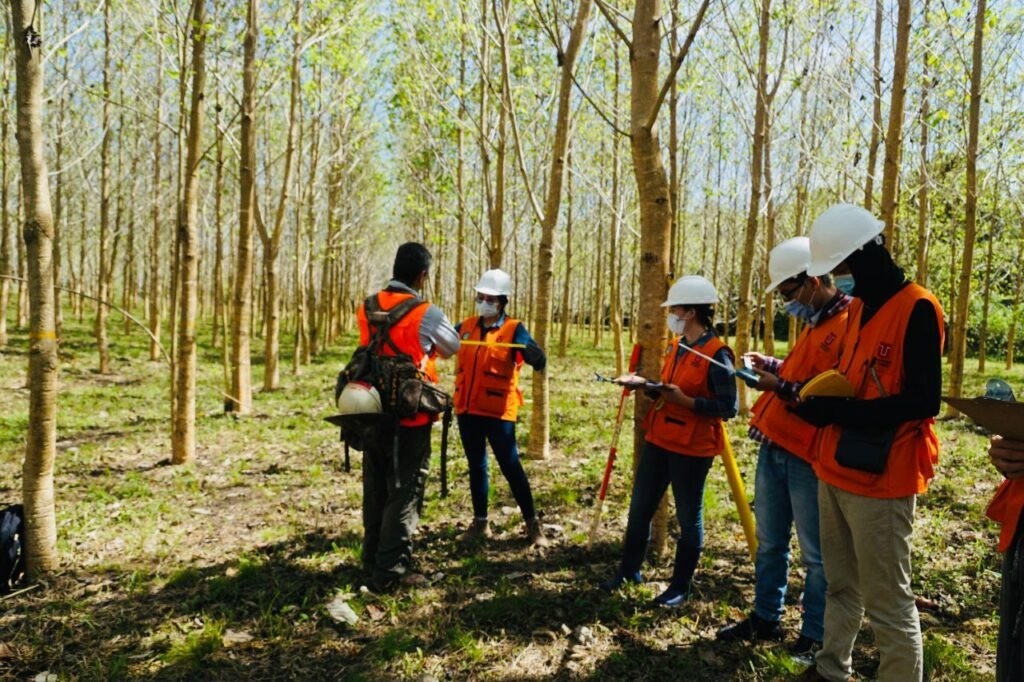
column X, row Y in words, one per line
column 404, row 389
column 12, row 558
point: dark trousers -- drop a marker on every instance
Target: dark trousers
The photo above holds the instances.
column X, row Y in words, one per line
column 391, row 499
column 475, row 432
column 1010, row 651
column 657, row 469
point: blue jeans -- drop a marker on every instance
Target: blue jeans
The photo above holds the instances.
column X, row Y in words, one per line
column 657, row 469
column 786, row 491
column 475, row 432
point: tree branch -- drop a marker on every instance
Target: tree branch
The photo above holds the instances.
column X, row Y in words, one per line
column 680, row 58
column 611, row 21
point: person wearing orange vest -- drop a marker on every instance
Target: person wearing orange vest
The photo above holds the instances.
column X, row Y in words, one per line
column 785, row 487
column 683, row 433
column 487, row 399
column 1007, row 456
column 394, row 479
column 876, row 451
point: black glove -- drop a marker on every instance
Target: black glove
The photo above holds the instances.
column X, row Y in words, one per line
column 822, row 410
column 534, row 356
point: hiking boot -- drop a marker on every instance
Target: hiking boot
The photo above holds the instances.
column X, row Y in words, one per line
column 478, row 531
column 536, row 534
column 673, row 597
column 804, row 649
column 751, row 628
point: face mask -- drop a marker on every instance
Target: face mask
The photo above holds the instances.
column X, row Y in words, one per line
column 845, row 284
column 800, row 311
column 486, row 309
column 676, row 324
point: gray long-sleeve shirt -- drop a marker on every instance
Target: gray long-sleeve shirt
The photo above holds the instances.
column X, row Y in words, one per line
column 436, row 331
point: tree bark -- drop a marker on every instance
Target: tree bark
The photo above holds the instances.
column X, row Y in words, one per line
column 155, row 256
column 540, row 426
column 744, row 317
column 183, row 437
column 959, row 351
column 240, row 401
column 100, row 323
column 40, row 446
column 894, row 135
column 876, row 108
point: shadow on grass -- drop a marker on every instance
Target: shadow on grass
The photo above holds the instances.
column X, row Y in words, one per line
column 180, row 626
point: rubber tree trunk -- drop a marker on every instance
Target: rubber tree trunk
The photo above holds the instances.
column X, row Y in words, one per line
column 959, row 351
column 40, row 443
column 241, row 297
column 183, row 437
column 894, row 134
column 540, row 426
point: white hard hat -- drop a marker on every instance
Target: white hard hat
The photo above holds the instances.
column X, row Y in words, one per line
column 495, row 283
column 359, row 397
column 837, row 233
column 691, row 290
column 787, row 260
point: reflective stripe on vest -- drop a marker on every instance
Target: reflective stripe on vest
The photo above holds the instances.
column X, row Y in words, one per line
column 487, row 377
column 405, row 334
column 679, row 429
column 815, row 351
column 872, row 361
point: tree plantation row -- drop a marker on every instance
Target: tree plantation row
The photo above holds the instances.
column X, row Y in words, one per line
column 254, row 163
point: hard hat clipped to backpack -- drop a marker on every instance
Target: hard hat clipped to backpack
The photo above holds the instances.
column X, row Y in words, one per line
column 837, row 233
column 494, row 283
column 787, row 260
column 691, row 290
column 359, row 397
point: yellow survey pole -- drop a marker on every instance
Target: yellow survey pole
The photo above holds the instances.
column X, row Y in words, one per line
column 739, row 494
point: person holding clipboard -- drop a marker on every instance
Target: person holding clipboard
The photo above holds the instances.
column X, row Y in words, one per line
column 683, row 433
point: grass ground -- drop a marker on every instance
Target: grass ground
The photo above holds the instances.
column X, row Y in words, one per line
column 223, row 569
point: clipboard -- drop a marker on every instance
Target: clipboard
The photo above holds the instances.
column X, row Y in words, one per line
column 998, row 416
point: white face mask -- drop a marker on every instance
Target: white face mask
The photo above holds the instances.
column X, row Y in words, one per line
column 676, row 324
column 486, row 309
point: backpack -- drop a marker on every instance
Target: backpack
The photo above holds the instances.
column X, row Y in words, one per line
column 12, row 558
column 403, row 387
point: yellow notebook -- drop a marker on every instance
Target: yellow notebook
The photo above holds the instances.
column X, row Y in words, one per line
column 830, row 383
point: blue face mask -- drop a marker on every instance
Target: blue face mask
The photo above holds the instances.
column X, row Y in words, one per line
column 845, row 284
column 801, row 311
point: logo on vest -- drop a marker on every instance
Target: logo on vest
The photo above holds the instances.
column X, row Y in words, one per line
column 883, row 356
column 465, row 335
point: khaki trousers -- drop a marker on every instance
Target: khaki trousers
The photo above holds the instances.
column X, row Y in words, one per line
column 865, row 545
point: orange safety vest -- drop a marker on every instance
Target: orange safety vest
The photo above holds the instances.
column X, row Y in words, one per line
column 815, row 351
column 872, row 359
column 1005, row 508
column 679, row 429
column 406, row 336
column 487, row 377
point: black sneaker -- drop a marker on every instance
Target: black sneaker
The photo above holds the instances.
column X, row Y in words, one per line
column 804, row 648
column 751, row 628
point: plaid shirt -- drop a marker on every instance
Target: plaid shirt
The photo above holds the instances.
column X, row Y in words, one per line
column 789, row 390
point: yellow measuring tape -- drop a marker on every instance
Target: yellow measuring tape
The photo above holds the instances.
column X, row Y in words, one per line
column 496, row 344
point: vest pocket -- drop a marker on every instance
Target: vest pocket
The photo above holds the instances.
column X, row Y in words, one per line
column 865, row 450
column 490, row 401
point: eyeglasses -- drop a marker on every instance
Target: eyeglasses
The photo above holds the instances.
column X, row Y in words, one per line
column 484, row 298
column 788, row 294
